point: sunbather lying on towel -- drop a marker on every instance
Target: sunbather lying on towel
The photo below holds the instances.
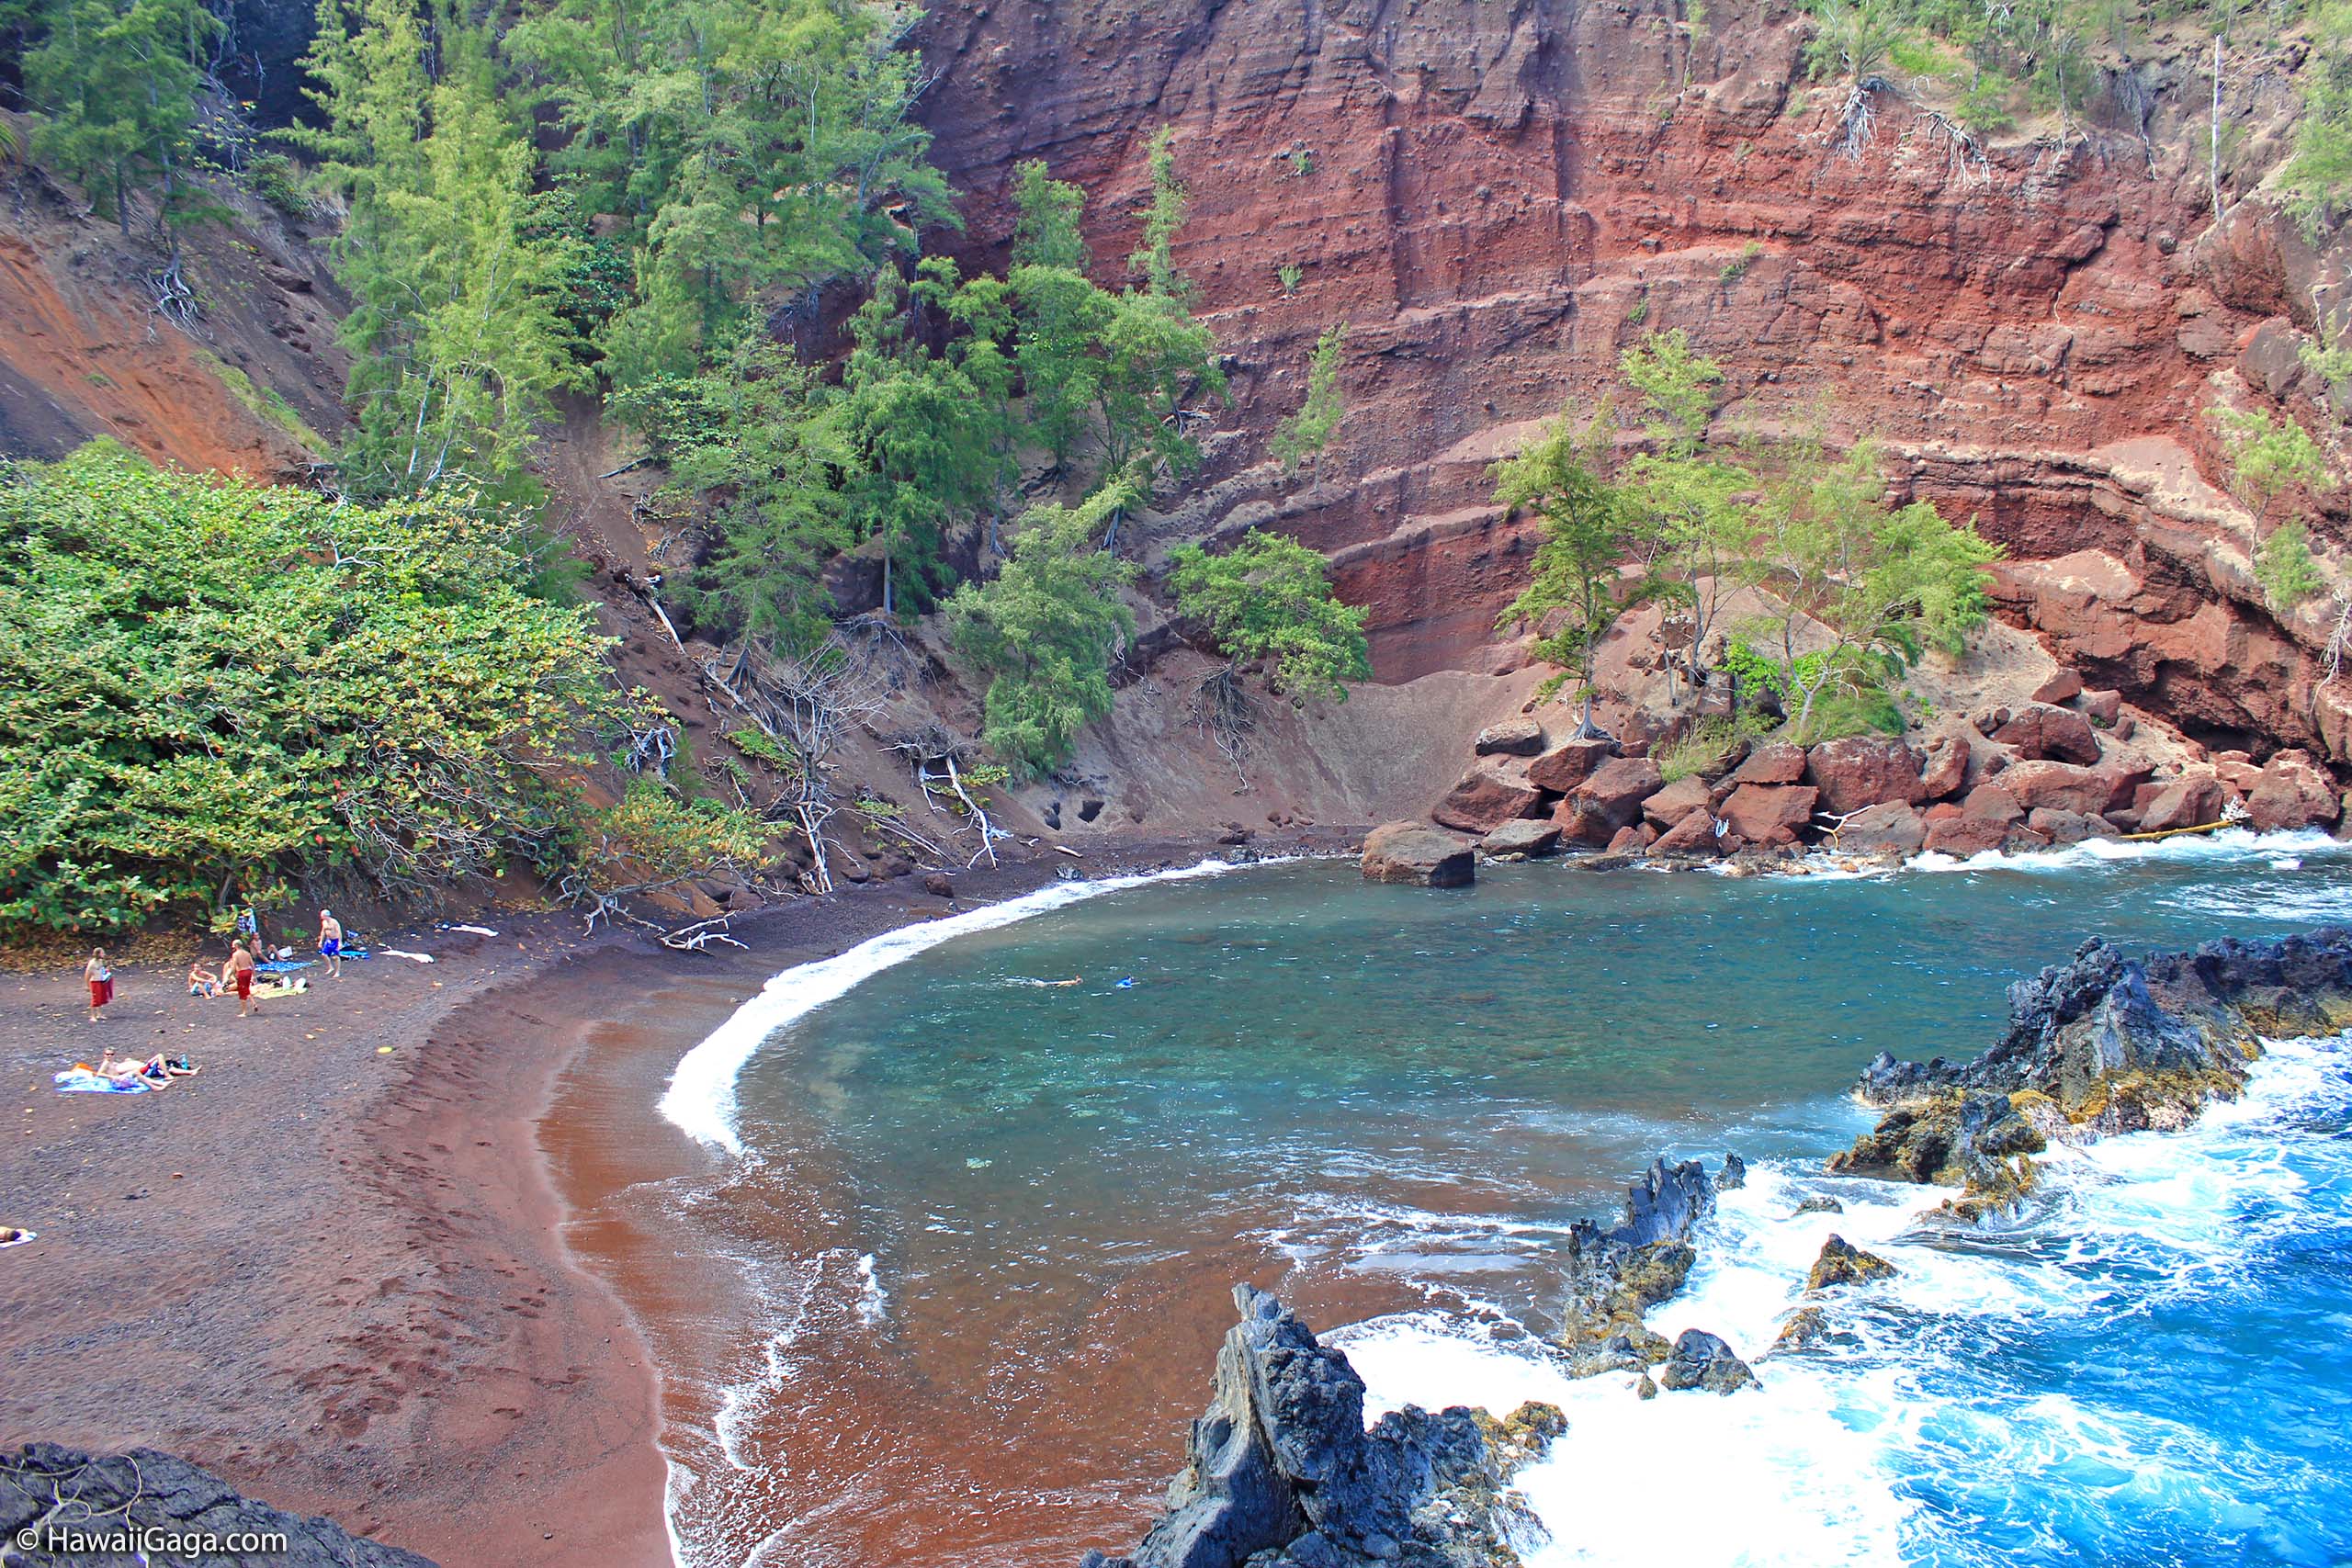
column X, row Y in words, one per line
column 155, row 1072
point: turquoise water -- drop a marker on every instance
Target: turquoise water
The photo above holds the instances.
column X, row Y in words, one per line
column 1390, row 1103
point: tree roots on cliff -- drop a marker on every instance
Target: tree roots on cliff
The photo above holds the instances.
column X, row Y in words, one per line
column 1225, row 713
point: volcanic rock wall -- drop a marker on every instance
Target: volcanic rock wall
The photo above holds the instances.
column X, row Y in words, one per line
column 1499, row 197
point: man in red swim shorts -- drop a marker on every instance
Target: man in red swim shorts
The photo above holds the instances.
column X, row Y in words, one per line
column 241, row 971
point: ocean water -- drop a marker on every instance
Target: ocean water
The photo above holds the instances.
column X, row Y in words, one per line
column 990, row 1220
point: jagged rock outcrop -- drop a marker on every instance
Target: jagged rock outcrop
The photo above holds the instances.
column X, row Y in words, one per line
column 1615, row 1276
column 1701, row 1360
column 44, row 1486
column 1843, row 1263
column 1281, row 1472
column 2102, row 1044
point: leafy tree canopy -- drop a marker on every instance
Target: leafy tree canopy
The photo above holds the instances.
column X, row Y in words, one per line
column 1270, row 597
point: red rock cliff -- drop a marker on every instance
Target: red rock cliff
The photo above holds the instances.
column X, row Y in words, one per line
column 1499, row 197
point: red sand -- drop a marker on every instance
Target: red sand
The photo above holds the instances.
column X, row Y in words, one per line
column 343, row 1278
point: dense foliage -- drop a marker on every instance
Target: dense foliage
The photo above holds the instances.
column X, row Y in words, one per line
column 206, row 687
column 1851, row 589
column 1044, row 631
column 1269, row 598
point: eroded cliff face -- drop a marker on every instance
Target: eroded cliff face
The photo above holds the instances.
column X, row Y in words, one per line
column 1499, row 197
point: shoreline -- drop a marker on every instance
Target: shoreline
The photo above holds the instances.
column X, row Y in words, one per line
column 372, row 1285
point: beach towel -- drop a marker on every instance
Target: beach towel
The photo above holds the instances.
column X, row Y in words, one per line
column 419, row 957
column 477, row 930
column 79, row 1080
column 21, row 1237
column 284, row 966
column 283, row 989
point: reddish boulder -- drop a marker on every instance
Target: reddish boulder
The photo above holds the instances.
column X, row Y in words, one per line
column 1631, row 841
column 2192, row 800
column 1676, row 801
column 2237, row 773
column 2102, row 707
column 1521, row 839
column 2063, row 786
column 1965, row 835
column 1889, row 827
column 1484, row 799
column 1410, row 853
column 1991, row 803
column 1694, row 835
column 1863, row 770
column 2062, row 687
column 1940, row 811
column 2292, row 793
column 1988, row 721
column 1568, row 764
column 2040, row 734
column 1511, row 738
column 1770, row 814
column 1611, row 799
column 1774, row 762
column 1946, row 771
column 2067, row 826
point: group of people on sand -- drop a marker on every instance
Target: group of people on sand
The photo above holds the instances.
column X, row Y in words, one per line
column 234, row 977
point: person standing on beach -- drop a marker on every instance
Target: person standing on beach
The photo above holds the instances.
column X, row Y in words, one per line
column 101, row 979
column 331, row 944
column 240, row 973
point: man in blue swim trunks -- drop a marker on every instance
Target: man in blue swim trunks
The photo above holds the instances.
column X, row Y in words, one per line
column 331, row 944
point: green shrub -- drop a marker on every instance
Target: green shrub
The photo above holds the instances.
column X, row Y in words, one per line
column 209, row 684
column 2286, row 569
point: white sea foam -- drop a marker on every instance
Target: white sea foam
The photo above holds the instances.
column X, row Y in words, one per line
column 1822, row 1466
column 701, row 1096
column 2232, row 844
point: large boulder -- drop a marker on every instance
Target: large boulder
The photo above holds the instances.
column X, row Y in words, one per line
column 44, row 1484
column 1511, row 738
column 1863, row 770
column 1568, row 764
column 1485, row 798
column 2065, row 786
column 2292, row 793
column 2062, row 687
column 2042, row 733
column 1282, row 1470
column 1609, row 799
column 1415, row 855
column 1945, row 772
column 1694, row 835
column 1963, row 836
column 1889, row 828
column 1676, row 801
column 2192, row 800
column 1991, row 803
column 1632, row 841
column 1774, row 762
column 2067, row 826
column 1521, row 839
column 1766, row 815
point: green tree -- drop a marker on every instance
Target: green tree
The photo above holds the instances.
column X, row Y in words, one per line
column 1044, row 632
column 2286, row 568
column 1694, row 526
column 208, row 686
column 1871, row 585
column 457, row 329
column 1308, row 432
column 1163, row 219
column 1270, row 597
column 1587, row 535
column 2272, row 456
column 1045, row 233
column 114, row 82
column 2318, row 178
